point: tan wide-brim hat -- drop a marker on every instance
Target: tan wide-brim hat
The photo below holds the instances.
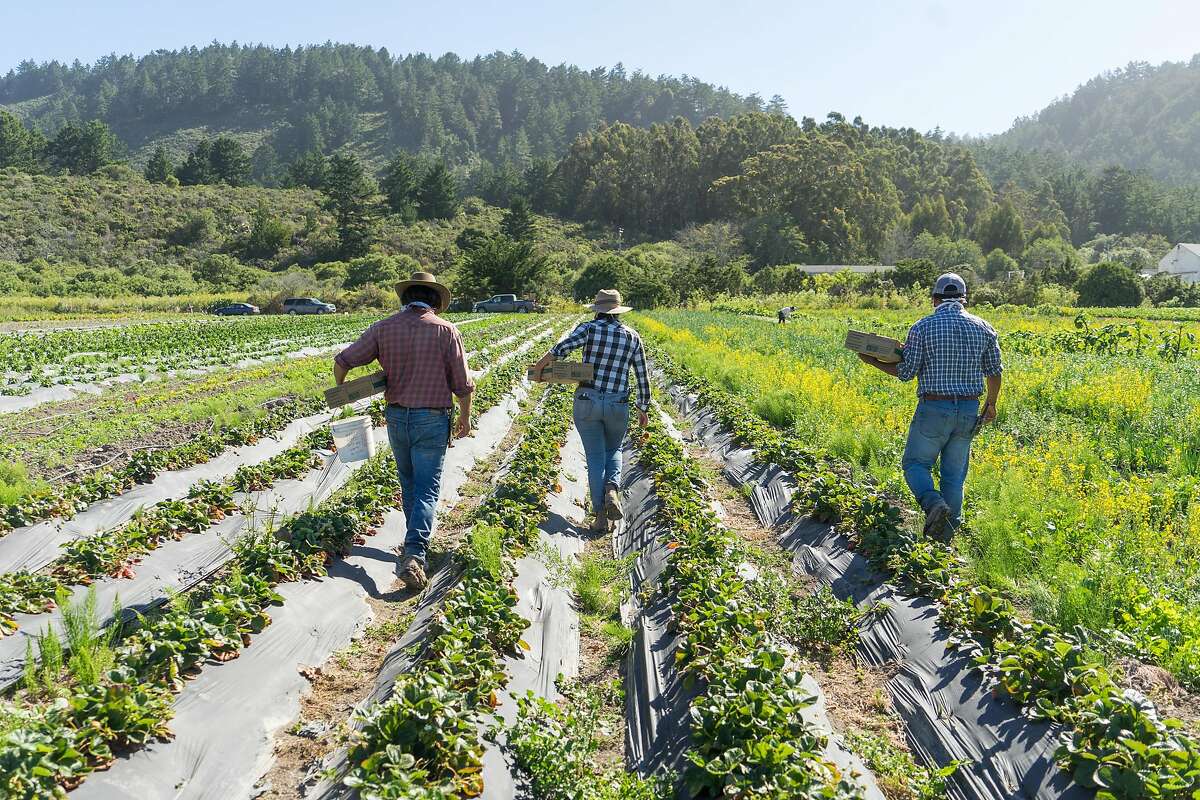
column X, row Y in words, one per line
column 608, row 301
column 425, row 279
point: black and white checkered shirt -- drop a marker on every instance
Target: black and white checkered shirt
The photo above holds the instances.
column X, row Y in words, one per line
column 611, row 348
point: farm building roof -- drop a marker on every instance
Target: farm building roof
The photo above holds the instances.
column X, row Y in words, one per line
column 814, row 269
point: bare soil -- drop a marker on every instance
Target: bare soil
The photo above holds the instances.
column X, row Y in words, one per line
column 1171, row 699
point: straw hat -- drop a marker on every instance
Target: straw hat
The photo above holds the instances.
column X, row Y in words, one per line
column 608, row 301
column 425, row 279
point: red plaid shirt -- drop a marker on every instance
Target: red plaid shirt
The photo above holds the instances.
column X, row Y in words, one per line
column 421, row 354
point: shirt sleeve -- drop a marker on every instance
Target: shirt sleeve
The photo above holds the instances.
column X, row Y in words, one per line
column 576, row 340
column 911, row 355
column 363, row 351
column 643, row 379
column 992, row 364
column 457, row 374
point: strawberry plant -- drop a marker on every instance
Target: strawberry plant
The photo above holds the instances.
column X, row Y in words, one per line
column 747, row 735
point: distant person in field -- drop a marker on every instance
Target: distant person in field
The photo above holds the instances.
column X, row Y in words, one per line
column 784, row 314
column 602, row 405
column 952, row 354
column 422, row 356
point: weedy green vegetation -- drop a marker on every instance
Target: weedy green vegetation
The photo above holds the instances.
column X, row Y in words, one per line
column 556, row 746
column 1081, row 499
column 1115, row 742
column 899, row 777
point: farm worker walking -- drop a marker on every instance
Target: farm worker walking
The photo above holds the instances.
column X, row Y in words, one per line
column 422, row 356
column 952, row 354
column 602, row 405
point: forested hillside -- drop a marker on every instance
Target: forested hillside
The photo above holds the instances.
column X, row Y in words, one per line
column 1141, row 117
column 280, row 103
column 335, row 161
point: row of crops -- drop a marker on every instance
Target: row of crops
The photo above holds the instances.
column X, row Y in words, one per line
column 53, row 357
column 1061, row 580
column 62, row 498
column 92, row 697
column 103, row 683
column 118, row 628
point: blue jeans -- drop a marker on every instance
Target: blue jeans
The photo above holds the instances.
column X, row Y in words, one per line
column 419, row 438
column 940, row 430
column 601, row 419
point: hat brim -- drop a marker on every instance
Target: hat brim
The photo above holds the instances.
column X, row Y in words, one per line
column 442, row 291
column 599, row 309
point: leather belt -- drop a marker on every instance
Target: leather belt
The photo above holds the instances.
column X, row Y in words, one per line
column 410, row 408
column 955, row 397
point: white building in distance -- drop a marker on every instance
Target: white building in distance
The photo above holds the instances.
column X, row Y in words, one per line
column 1183, row 261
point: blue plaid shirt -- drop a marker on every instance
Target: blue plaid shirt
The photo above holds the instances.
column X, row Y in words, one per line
column 949, row 352
column 612, row 349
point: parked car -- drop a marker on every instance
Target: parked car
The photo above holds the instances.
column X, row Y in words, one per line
column 236, row 310
column 307, row 305
column 460, row 305
column 507, row 303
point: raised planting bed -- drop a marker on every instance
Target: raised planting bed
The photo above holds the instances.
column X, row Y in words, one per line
column 448, row 671
column 716, row 703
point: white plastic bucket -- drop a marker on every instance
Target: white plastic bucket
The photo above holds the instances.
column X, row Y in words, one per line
column 353, row 439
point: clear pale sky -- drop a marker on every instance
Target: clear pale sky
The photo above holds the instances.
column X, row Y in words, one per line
column 968, row 66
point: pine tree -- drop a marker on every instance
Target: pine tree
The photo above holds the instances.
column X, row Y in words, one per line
column 83, row 149
column 399, row 185
column 1003, row 229
column 19, row 147
column 351, row 199
column 518, row 221
column 197, row 168
column 158, row 168
column 229, row 161
column 437, row 196
column 310, row 169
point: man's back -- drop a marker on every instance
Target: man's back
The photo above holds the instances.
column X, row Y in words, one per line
column 950, row 352
column 421, row 354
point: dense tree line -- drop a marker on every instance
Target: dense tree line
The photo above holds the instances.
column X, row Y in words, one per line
column 1111, row 200
column 807, row 192
column 843, row 192
column 505, row 107
column 76, row 148
column 1143, row 117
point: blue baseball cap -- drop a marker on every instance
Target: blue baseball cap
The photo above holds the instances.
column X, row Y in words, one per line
column 950, row 284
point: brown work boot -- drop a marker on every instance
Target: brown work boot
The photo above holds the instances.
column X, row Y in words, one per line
column 412, row 573
column 599, row 522
column 612, row 503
